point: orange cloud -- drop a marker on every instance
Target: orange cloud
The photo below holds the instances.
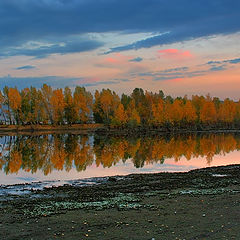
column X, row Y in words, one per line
column 174, row 54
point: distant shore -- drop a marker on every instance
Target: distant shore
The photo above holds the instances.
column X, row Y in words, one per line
column 103, row 129
column 38, row 129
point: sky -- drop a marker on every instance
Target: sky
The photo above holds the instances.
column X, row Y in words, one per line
column 181, row 47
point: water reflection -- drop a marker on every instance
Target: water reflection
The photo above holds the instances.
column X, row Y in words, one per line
column 64, row 152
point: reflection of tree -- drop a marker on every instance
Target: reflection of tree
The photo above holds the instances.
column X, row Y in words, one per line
column 62, row 152
column 58, row 155
column 15, row 161
column 83, row 155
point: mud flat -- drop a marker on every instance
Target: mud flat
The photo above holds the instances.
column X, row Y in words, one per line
column 200, row 204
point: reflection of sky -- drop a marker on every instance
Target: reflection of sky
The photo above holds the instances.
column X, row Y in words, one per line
column 170, row 165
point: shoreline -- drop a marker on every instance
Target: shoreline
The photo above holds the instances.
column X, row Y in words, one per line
column 102, row 129
column 199, row 204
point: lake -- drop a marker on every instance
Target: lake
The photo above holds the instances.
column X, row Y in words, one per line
column 59, row 158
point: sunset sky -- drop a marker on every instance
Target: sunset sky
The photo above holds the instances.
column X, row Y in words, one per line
column 180, row 47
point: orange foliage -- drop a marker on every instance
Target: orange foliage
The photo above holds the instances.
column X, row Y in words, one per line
column 227, row 111
column 58, row 104
column 15, row 162
column 208, row 111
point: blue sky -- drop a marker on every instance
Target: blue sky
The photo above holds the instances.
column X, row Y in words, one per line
column 122, row 45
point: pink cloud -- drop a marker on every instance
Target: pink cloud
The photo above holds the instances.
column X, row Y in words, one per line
column 174, row 54
column 111, row 60
column 117, row 58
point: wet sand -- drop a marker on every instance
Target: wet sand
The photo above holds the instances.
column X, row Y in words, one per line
column 200, row 204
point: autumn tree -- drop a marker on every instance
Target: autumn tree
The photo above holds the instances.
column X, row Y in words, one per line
column 26, row 114
column 175, row 111
column 83, row 102
column 37, row 106
column 58, row 104
column 158, row 112
column 197, row 102
column 7, row 109
column 125, row 100
column 69, row 110
column 14, row 98
column 189, row 112
column 133, row 118
column 141, row 104
column 227, row 111
column 237, row 115
column 47, row 110
column 2, row 112
column 208, row 111
column 106, row 102
column 119, row 117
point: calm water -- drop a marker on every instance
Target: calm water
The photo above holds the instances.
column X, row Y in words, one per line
column 66, row 157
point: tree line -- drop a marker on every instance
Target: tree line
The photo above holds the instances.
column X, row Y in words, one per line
column 140, row 108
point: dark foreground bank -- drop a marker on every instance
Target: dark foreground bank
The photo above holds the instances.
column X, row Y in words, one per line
column 200, row 204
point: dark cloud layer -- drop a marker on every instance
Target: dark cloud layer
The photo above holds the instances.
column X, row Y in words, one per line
column 231, row 61
column 80, row 45
column 26, row 67
column 137, row 59
column 41, row 20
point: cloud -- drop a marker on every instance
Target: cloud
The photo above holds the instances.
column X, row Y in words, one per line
column 220, row 65
column 43, row 50
column 111, row 60
column 182, row 72
column 22, row 82
column 174, row 54
column 31, row 21
column 100, row 83
column 26, row 67
column 175, row 69
column 172, row 73
column 116, row 59
column 55, row 81
column 111, row 82
column 137, row 59
column 231, row 61
column 217, row 68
